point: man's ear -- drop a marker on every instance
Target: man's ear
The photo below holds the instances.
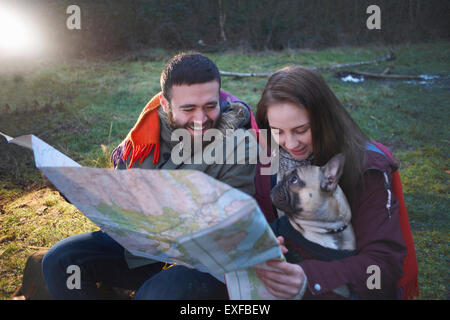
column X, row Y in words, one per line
column 164, row 103
column 331, row 172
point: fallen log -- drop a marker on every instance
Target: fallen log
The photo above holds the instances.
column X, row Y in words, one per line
column 389, row 56
column 383, row 76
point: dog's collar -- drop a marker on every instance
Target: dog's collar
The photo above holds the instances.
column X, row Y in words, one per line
column 334, row 231
column 328, row 231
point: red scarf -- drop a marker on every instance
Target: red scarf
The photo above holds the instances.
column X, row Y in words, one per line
column 145, row 135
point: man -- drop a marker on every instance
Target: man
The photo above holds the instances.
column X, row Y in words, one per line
column 191, row 99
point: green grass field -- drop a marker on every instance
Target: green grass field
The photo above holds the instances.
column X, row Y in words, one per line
column 85, row 108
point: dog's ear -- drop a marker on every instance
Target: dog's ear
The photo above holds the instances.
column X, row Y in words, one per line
column 331, row 172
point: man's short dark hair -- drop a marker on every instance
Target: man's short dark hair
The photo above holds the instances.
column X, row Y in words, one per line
column 188, row 68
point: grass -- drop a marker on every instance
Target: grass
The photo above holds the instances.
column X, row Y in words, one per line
column 85, row 108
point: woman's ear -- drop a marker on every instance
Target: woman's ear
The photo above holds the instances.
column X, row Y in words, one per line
column 332, row 171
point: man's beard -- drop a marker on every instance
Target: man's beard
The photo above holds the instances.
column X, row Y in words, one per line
column 190, row 125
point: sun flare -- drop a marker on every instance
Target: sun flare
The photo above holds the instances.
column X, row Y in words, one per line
column 18, row 35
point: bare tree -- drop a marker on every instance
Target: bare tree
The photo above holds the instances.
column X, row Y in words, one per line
column 222, row 19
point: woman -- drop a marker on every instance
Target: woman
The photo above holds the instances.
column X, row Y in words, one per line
column 312, row 127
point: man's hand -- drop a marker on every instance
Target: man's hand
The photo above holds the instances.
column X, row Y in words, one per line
column 287, row 280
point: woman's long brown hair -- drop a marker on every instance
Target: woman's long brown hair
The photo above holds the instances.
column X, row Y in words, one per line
column 333, row 129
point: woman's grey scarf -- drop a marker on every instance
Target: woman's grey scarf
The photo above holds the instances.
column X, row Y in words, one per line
column 287, row 163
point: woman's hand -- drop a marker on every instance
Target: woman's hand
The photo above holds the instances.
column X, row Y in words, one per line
column 286, row 281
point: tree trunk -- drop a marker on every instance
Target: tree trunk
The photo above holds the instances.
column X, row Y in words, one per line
column 222, row 18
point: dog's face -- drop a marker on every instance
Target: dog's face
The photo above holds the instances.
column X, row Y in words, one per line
column 308, row 192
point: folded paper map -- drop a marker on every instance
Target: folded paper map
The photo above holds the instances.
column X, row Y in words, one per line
column 176, row 216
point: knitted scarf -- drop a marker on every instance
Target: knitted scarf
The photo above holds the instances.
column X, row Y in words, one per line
column 145, row 134
column 288, row 162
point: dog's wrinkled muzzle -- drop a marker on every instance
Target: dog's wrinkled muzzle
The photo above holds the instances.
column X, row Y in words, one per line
column 280, row 198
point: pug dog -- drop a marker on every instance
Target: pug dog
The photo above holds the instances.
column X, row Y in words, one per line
column 316, row 206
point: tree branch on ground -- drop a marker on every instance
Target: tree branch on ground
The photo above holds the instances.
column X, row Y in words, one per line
column 389, row 56
column 368, row 75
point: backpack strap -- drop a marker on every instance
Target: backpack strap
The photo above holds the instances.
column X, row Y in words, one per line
column 372, row 147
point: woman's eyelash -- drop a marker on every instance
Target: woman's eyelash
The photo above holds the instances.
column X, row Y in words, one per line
column 303, row 131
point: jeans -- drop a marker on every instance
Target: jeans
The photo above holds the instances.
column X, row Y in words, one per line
column 101, row 259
